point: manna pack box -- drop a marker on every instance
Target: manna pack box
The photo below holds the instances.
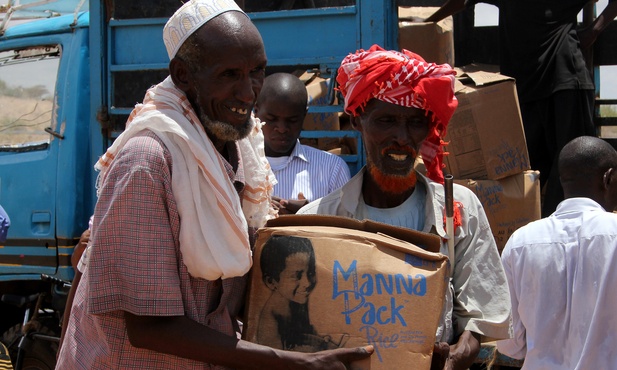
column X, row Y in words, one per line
column 324, row 282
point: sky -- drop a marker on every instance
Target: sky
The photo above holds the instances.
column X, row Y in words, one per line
column 487, row 15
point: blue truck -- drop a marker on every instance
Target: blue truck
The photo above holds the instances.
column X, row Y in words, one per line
column 67, row 84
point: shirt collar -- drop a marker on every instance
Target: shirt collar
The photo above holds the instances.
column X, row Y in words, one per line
column 299, row 152
column 576, row 205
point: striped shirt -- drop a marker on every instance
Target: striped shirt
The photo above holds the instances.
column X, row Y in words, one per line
column 5, row 359
column 310, row 171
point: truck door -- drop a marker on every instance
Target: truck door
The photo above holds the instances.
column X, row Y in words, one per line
column 28, row 157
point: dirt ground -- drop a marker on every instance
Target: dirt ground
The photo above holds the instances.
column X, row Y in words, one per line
column 23, row 120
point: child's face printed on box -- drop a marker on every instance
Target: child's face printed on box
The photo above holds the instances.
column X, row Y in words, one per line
column 294, row 282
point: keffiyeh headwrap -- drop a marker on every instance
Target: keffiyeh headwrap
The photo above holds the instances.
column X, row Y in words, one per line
column 214, row 238
column 405, row 79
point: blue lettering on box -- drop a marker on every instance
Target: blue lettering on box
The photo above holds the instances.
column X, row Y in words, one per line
column 511, row 159
column 378, row 340
column 416, row 261
column 381, row 341
column 489, row 195
column 413, row 260
column 355, row 293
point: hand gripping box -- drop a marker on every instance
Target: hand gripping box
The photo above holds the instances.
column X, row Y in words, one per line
column 324, row 282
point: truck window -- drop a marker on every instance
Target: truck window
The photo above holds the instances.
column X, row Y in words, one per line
column 27, row 85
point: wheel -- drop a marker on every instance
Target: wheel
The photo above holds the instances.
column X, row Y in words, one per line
column 40, row 355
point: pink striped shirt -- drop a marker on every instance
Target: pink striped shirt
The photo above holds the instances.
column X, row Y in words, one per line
column 136, row 266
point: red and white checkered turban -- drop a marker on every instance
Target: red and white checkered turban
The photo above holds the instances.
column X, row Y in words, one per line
column 405, row 79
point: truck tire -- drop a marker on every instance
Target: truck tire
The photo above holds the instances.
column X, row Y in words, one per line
column 42, row 354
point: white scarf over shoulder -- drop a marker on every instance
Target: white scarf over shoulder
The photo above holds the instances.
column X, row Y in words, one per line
column 214, row 240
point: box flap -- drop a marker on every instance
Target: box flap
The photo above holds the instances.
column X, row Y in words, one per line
column 426, row 241
column 480, row 74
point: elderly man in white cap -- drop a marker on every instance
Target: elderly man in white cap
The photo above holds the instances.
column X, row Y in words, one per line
column 179, row 192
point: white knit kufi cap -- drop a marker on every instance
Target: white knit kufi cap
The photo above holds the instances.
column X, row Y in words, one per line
column 189, row 18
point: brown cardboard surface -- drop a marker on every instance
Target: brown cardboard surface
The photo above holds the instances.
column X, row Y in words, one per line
column 426, row 241
column 485, row 135
column 317, row 89
column 368, row 287
column 433, row 41
column 509, row 203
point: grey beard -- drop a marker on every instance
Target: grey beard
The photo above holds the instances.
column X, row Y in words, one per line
column 223, row 130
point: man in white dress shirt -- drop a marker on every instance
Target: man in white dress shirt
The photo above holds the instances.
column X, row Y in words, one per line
column 303, row 172
column 561, row 269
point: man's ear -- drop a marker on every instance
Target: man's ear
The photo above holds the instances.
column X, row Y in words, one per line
column 180, row 74
column 606, row 180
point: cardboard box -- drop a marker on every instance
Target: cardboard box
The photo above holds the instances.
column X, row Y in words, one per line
column 346, row 283
column 509, row 203
column 317, row 89
column 433, row 41
column 486, row 136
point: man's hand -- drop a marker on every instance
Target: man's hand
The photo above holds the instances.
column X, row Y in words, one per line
column 464, row 351
column 289, row 206
column 441, row 350
column 80, row 248
column 336, row 359
column 459, row 356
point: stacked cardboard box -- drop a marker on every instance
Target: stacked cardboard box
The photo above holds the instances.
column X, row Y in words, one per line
column 509, row 203
column 434, row 42
column 488, row 152
column 320, row 92
column 485, row 135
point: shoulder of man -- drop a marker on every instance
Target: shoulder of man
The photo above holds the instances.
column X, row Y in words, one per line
column 316, row 152
column 322, row 157
column 461, row 193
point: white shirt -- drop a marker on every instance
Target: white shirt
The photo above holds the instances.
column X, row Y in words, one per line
column 562, row 275
column 409, row 214
column 310, row 171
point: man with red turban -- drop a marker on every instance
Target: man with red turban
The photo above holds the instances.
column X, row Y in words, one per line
column 402, row 105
